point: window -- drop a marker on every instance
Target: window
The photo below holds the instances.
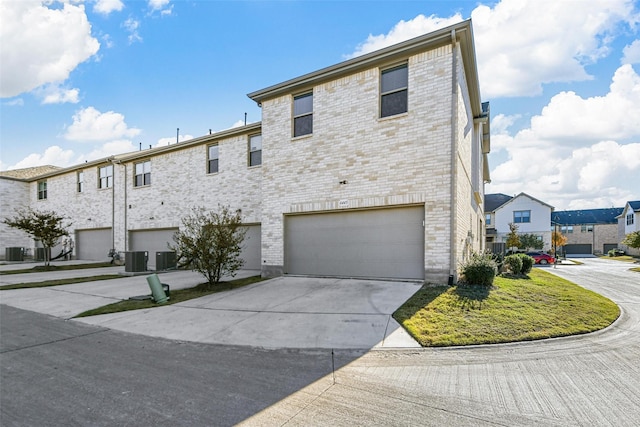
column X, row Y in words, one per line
column 42, row 190
column 212, row 159
column 106, row 176
column 303, row 114
column 566, row 229
column 586, row 228
column 394, row 83
column 80, row 181
column 143, row 174
column 630, row 219
column 520, row 217
column 487, row 218
column 255, row 150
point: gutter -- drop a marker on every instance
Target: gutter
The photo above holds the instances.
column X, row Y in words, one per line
column 454, row 152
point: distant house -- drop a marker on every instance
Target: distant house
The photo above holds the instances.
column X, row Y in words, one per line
column 528, row 213
column 588, row 231
column 629, row 221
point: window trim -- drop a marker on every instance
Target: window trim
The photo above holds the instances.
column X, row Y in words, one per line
column 146, row 176
column 108, row 178
column 404, row 65
column 42, row 189
column 209, row 159
column 80, row 181
column 521, row 217
column 254, row 151
column 630, row 218
column 294, row 117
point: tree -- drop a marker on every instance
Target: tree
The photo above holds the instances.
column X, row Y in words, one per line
column 210, row 242
column 512, row 238
column 632, row 239
column 47, row 227
column 530, row 241
column 557, row 240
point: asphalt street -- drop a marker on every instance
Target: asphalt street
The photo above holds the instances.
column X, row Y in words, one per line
column 58, row 372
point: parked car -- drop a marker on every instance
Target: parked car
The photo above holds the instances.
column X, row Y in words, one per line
column 542, row 258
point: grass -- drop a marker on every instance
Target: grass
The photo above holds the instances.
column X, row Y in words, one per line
column 59, row 282
column 180, row 295
column 514, row 309
column 624, row 258
column 43, row 268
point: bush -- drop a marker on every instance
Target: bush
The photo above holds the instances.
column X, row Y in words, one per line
column 615, row 252
column 513, row 263
column 527, row 263
column 479, row 269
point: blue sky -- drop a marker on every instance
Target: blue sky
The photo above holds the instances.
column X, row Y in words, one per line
column 82, row 80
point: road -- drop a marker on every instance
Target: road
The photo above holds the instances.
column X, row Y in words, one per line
column 57, row 372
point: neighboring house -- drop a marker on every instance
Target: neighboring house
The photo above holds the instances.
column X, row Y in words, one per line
column 528, row 213
column 588, row 231
column 374, row 167
column 629, row 221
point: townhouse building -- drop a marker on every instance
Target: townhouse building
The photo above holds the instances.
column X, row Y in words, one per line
column 628, row 222
column 373, row 167
column 588, row 231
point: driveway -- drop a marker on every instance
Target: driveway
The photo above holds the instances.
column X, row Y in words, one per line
column 285, row 312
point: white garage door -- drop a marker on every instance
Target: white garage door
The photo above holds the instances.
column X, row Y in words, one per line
column 384, row 243
column 93, row 244
column 151, row 241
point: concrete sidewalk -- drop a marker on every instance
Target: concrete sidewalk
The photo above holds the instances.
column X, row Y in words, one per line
column 286, row 312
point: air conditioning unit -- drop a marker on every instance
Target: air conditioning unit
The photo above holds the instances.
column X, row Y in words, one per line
column 135, row 261
column 165, row 261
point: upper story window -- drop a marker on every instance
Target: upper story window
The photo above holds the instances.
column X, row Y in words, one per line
column 213, row 153
column 394, row 84
column 255, row 150
column 105, row 174
column 630, row 219
column 566, row 229
column 586, row 228
column 487, row 219
column 80, row 181
column 303, row 114
column 143, row 174
column 520, row 217
column 42, row 190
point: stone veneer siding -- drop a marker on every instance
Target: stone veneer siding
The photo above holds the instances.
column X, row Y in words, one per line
column 15, row 195
column 394, row 161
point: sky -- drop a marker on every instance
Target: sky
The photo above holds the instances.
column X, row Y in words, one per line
column 82, row 80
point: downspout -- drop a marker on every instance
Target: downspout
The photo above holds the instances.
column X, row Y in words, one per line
column 454, row 163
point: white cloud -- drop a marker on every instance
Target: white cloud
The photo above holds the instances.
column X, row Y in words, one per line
column 132, row 25
column 569, row 156
column 53, row 155
column 160, row 5
column 548, row 41
column 105, row 7
column 631, row 53
column 18, row 102
column 405, row 30
column 90, row 124
column 53, row 94
column 108, row 149
column 163, row 142
column 34, row 55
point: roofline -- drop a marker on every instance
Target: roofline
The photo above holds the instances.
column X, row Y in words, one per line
column 134, row 155
column 462, row 32
column 532, row 198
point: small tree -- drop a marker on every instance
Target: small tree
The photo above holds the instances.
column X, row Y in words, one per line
column 512, row 238
column 210, row 242
column 557, row 240
column 632, row 239
column 47, row 227
column 530, row 241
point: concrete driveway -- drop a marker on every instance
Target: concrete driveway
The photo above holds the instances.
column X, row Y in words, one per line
column 286, row 312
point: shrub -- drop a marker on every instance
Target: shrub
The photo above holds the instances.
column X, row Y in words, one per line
column 479, row 269
column 527, row 263
column 513, row 263
column 499, row 260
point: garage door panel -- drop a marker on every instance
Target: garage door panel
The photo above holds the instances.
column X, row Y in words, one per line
column 93, row 245
column 578, row 248
column 375, row 243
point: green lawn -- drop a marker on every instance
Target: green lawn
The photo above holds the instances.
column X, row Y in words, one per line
column 42, row 268
column 540, row 306
column 176, row 296
column 59, row 282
